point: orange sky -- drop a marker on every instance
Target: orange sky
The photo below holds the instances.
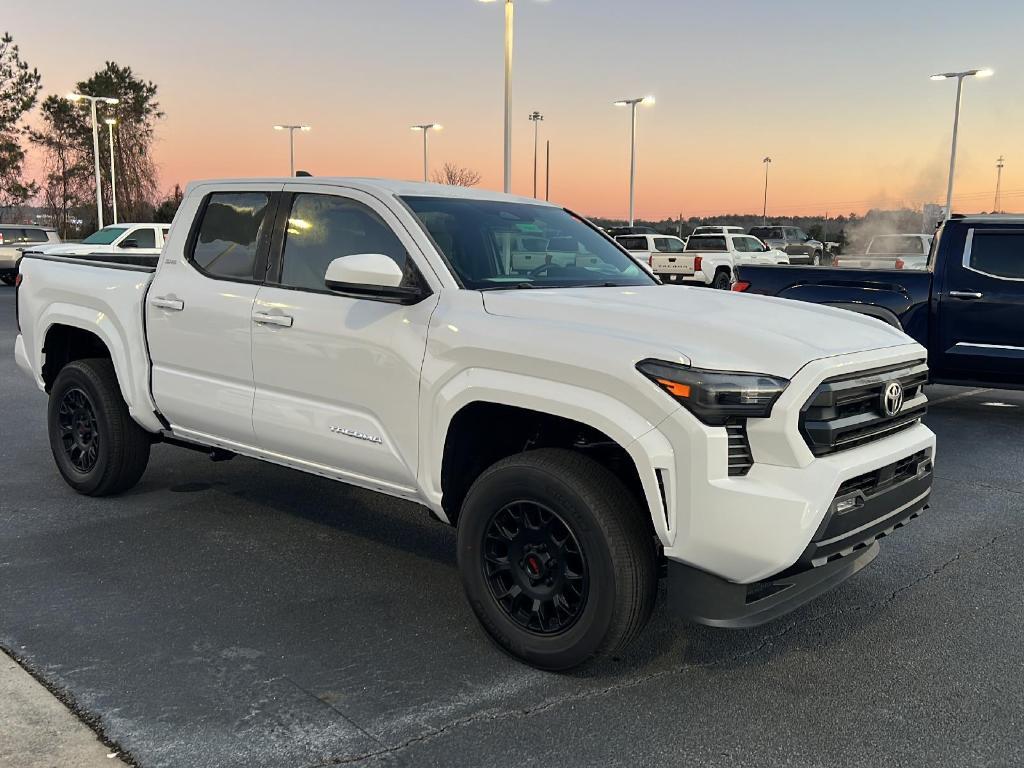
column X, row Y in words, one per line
column 837, row 94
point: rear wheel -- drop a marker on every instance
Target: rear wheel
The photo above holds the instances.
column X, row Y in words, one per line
column 98, row 447
column 816, row 259
column 722, row 280
column 556, row 560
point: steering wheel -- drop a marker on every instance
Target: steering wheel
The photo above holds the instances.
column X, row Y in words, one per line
column 536, row 271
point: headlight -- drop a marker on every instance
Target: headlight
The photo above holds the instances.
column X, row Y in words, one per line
column 716, row 396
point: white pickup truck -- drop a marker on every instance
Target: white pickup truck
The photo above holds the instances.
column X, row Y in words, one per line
column 587, row 430
column 131, row 240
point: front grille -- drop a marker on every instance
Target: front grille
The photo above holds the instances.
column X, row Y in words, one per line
column 846, row 411
column 871, row 483
column 740, row 457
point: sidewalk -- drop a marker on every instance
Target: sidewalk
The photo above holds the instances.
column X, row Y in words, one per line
column 38, row 731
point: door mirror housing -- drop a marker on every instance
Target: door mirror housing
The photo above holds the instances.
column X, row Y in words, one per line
column 131, row 242
column 371, row 276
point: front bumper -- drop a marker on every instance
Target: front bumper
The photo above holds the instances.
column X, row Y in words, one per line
column 865, row 510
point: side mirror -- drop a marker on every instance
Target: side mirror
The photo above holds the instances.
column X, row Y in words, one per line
column 131, row 242
column 370, row 276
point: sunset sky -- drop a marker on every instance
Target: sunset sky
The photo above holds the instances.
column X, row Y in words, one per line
column 836, row 93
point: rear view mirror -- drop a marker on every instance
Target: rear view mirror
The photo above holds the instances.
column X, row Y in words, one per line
column 371, row 276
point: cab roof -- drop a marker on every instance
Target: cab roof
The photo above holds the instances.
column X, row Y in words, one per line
column 380, row 187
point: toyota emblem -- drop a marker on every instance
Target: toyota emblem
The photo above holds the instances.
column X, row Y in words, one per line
column 892, row 398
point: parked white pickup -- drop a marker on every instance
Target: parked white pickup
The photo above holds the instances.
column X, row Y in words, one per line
column 124, row 239
column 584, row 434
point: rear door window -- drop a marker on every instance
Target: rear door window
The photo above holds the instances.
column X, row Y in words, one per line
column 633, row 243
column 999, row 254
column 229, row 234
column 34, row 236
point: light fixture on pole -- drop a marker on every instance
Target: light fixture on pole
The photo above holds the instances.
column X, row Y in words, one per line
column 535, row 118
column 764, row 212
column 426, row 128
column 509, row 13
column 631, row 103
column 956, row 123
column 999, row 180
column 111, row 122
column 95, row 146
column 291, row 143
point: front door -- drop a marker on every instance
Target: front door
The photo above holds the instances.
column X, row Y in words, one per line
column 199, row 314
column 980, row 313
column 337, row 377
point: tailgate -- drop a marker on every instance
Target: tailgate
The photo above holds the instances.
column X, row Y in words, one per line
column 676, row 264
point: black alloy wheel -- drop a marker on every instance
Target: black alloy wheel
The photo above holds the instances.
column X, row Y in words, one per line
column 79, row 432
column 535, row 568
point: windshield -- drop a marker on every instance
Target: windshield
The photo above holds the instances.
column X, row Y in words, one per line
column 492, row 244
column 105, row 236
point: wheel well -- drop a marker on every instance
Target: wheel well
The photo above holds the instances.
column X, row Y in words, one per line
column 65, row 344
column 483, row 433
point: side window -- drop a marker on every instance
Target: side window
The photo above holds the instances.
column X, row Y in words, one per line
column 675, row 245
column 1000, row 254
column 322, row 228
column 741, row 244
column 165, row 233
column 229, row 234
column 661, row 245
column 144, row 237
column 34, row 236
column 9, row 235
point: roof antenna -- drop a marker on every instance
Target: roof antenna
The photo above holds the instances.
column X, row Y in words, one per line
column 303, row 174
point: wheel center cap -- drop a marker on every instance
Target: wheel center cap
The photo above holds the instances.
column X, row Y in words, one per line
column 537, row 564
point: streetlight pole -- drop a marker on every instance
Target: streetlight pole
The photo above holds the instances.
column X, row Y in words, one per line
column 110, row 121
column 547, row 171
column 764, row 211
column 535, row 118
column 956, row 123
column 291, row 143
column 999, row 180
column 426, row 128
column 95, row 146
column 509, row 18
column 632, row 104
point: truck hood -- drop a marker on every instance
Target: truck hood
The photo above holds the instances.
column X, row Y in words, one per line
column 719, row 330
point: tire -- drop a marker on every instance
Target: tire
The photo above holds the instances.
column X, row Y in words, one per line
column 816, row 259
column 722, row 281
column 7, row 279
column 98, row 447
column 609, row 551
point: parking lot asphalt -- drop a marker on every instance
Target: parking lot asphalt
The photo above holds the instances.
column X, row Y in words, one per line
column 241, row 614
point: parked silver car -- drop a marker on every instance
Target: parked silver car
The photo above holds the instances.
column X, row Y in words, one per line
column 14, row 238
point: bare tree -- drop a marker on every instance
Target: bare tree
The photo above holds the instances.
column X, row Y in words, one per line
column 456, row 176
column 19, row 88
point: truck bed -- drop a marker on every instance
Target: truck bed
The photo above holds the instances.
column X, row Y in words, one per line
column 898, row 297
column 103, row 295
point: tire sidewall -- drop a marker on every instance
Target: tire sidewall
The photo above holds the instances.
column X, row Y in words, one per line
column 585, row 636
column 721, row 281
column 74, row 376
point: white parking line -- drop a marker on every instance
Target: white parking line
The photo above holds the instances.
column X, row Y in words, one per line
column 959, row 395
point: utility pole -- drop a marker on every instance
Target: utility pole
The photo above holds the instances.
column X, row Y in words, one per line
column 764, row 213
column 999, row 178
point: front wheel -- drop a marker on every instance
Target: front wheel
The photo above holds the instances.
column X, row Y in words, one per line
column 556, row 560
column 816, row 259
column 98, row 447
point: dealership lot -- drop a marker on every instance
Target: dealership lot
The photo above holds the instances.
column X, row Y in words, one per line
column 242, row 614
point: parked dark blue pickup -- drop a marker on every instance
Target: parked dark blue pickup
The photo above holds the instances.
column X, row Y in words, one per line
column 967, row 308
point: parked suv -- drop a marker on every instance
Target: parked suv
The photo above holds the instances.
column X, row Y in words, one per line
column 800, row 246
column 15, row 237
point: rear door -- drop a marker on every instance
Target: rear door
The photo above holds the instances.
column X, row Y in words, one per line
column 980, row 314
column 337, row 377
column 199, row 312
